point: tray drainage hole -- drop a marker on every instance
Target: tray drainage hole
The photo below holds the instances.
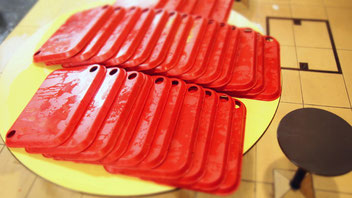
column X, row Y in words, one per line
column 145, row 10
column 224, row 98
column 38, row 52
column 11, row 134
column 192, row 89
column 174, row 82
column 172, row 13
column 237, row 104
column 158, row 11
column 106, row 6
column 269, row 39
column 132, row 76
column 208, row 93
column 93, row 69
column 159, row 80
column 184, row 15
column 117, row 8
column 112, row 72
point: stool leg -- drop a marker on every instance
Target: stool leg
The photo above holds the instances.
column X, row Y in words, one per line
column 297, row 179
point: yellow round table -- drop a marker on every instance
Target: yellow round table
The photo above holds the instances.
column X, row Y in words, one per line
column 20, row 80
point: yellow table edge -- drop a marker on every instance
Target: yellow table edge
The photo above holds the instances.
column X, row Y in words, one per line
column 21, row 78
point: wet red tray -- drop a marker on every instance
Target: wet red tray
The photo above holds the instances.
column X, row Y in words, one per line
column 174, row 4
column 65, row 42
column 98, row 40
column 204, row 52
column 117, row 37
column 188, row 6
column 60, row 108
column 179, row 156
column 139, row 3
column 235, row 149
column 272, row 71
column 93, row 118
column 177, row 45
column 149, row 40
column 212, row 71
column 146, row 128
column 228, row 65
column 133, row 39
column 118, row 115
column 164, row 43
column 191, row 47
column 221, row 10
column 215, row 165
column 204, row 8
column 243, row 78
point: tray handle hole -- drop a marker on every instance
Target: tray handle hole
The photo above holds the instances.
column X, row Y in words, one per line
column 159, row 80
column 132, row 76
column 112, row 72
column 208, row 93
column 269, row 39
column 174, row 82
column 237, row 104
column 11, row 134
column 38, row 52
column 224, row 98
column 93, row 69
column 192, row 89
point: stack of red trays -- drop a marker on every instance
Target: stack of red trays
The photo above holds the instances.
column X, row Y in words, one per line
column 237, row 61
column 152, row 127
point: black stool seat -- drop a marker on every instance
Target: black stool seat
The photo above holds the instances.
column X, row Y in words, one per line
column 317, row 141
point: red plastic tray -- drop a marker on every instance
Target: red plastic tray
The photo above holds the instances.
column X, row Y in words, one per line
column 133, row 39
column 180, row 152
column 244, row 78
column 118, row 115
column 174, row 4
column 188, row 6
column 234, row 157
column 146, row 128
column 204, row 8
column 272, row 70
column 164, row 43
column 148, row 43
column 98, row 40
column 212, row 71
column 93, row 118
column 117, row 37
column 217, row 155
column 60, row 108
column 204, row 52
column 221, row 10
column 228, row 65
column 65, row 42
column 191, row 47
column 177, row 45
column 139, row 3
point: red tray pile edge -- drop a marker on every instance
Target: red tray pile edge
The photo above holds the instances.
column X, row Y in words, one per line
column 236, row 61
column 152, row 127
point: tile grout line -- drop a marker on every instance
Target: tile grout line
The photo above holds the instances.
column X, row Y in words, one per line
column 298, row 103
column 329, row 106
column 30, row 188
column 332, row 191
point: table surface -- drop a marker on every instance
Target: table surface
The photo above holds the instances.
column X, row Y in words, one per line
column 317, row 140
column 21, row 78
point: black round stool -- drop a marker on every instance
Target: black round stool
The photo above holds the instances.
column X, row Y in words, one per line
column 317, row 141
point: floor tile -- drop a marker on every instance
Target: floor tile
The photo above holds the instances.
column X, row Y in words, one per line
column 1, row 141
column 312, row 34
column 282, row 31
column 246, row 189
column 15, row 179
column 317, row 58
column 337, row 184
column 291, row 86
column 305, row 2
column 338, row 3
column 324, row 194
column 341, row 26
column 269, row 154
column 345, row 61
column 324, row 89
column 264, row 190
column 308, row 11
column 249, row 164
column 42, row 188
column 288, row 57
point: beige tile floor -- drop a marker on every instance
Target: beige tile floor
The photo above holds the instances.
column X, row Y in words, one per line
column 305, row 43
